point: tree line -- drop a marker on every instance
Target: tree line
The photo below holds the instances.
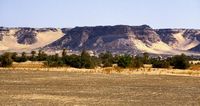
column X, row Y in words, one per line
column 84, row 60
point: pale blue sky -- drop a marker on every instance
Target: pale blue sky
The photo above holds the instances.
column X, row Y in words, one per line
column 70, row 13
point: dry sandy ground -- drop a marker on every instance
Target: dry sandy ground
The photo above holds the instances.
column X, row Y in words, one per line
column 116, row 70
column 60, row 88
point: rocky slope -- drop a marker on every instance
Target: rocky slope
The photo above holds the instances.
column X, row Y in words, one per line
column 116, row 39
column 181, row 39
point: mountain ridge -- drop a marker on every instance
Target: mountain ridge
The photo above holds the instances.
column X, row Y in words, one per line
column 116, row 39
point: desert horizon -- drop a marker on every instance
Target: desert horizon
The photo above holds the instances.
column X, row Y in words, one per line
column 99, row 52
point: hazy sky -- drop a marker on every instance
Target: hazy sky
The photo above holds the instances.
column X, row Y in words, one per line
column 70, row 13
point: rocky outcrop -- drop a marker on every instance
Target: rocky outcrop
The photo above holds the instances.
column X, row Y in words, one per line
column 26, row 36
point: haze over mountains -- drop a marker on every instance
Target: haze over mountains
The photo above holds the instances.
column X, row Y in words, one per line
column 116, row 39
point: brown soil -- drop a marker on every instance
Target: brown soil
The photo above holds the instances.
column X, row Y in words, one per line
column 77, row 88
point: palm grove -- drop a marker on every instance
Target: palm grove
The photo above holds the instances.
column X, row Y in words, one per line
column 84, row 60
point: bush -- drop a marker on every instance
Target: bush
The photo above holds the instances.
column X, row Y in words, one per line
column 51, row 63
column 23, row 58
column 180, row 62
column 146, row 58
column 33, row 56
column 14, row 56
column 6, row 59
column 54, row 61
column 64, row 53
column 86, row 60
column 82, row 61
column 160, row 64
column 42, row 56
column 75, row 61
column 137, row 62
column 125, row 61
column 106, row 59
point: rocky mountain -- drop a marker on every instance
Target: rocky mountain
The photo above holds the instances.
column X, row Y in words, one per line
column 116, row 39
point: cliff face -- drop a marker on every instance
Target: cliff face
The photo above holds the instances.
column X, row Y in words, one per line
column 106, row 38
column 116, row 39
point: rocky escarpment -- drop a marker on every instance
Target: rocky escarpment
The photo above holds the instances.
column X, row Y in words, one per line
column 116, row 39
column 106, row 38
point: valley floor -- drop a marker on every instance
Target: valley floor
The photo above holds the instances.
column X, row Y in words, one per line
column 51, row 88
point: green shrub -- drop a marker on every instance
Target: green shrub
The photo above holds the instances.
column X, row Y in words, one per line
column 23, row 57
column 33, row 56
column 54, row 61
column 6, row 59
column 137, row 62
column 125, row 61
column 86, row 60
column 146, row 58
column 160, row 64
column 180, row 62
column 106, row 59
column 42, row 56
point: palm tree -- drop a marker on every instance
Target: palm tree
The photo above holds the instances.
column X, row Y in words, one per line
column 33, row 55
column 23, row 57
column 64, row 53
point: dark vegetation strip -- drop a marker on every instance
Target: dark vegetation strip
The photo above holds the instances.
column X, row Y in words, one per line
column 84, row 60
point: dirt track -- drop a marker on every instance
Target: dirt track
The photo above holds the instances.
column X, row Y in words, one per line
column 70, row 88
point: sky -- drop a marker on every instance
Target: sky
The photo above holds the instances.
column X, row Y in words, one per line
column 71, row 13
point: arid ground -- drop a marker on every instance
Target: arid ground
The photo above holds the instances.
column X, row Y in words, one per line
column 27, row 88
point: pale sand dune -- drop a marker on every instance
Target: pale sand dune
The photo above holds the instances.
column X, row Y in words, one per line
column 3, row 47
column 162, row 48
column 157, row 48
column 141, row 46
column 44, row 38
column 10, row 42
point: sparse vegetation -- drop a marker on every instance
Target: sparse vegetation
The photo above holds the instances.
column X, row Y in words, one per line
column 106, row 59
column 84, row 60
column 157, row 63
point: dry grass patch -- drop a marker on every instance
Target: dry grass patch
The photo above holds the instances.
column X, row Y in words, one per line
column 195, row 67
column 187, row 72
column 114, row 69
